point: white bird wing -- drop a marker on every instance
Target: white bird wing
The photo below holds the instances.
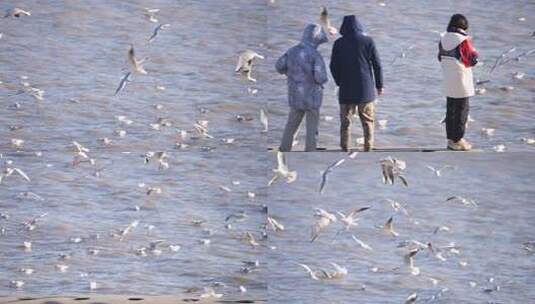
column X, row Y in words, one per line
column 308, row 270
column 281, row 162
column 135, row 63
column 264, row 120
column 240, row 63
column 272, row 180
column 336, row 163
column 21, row 173
column 361, row 243
column 318, row 227
column 336, row 266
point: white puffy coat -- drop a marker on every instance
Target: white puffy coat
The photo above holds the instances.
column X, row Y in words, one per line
column 458, row 79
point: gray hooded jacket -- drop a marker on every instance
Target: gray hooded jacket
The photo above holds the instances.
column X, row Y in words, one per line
column 305, row 69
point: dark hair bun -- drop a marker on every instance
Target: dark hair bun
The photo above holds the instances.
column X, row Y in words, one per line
column 458, row 21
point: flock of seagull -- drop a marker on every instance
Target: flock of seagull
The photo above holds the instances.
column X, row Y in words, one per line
column 391, row 169
column 81, row 155
column 154, row 248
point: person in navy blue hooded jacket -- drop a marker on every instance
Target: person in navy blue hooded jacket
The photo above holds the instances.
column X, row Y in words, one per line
column 356, row 69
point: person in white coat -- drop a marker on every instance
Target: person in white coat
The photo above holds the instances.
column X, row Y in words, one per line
column 457, row 56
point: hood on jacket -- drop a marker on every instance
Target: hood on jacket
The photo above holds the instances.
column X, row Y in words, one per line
column 314, row 35
column 351, row 26
column 451, row 40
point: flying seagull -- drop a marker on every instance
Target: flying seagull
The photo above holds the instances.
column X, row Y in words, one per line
column 245, row 63
column 157, row 30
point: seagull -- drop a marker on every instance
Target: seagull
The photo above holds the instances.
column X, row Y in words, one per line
column 27, row 271
column 529, row 246
column 17, row 12
column 122, row 84
column 202, row 130
column 124, row 119
column 128, row 228
column 321, row 274
column 518, row 57
column 382, row 123
column 150, row 14
column 327, row 171
column 210, row 293
column 323, row 219
column 412, row 298
column 17, row 143
column 282, row 170
column 529, row 141
column 81, row 154
column 480, row 91
column 158, row 29
column 249, row 238
column 391, row 168
column 361, row 243
column 136, row 64
column 161, row 158
column 462, row 200
column 153, row 247
column 32, row 224
column 397, row 206
column 274, row 224
column 389, row 227
column 518, row 75
column 311, row 273
column 245, row 63
column 403, row 53
column 409, row 261
column 17, row 284
column 8, row 171
column 326, row 23
column 438, row 172
column 499, row 148
column 237, row 217
column 501, row 58
column 62, row 267
column 264, row 120
column 351, row 218
column 154, row 190
column 488, row 131
column 338, row 273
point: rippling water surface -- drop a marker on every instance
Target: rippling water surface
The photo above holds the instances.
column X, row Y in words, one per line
column 76, row 53
column 93, row 208
column 488, row 237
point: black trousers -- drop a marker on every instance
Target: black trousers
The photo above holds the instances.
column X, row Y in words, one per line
column 456, row 117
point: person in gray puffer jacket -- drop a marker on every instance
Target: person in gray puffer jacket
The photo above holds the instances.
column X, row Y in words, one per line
column 306, row 73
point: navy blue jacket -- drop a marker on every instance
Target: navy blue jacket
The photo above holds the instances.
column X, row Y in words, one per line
column 355, row 63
